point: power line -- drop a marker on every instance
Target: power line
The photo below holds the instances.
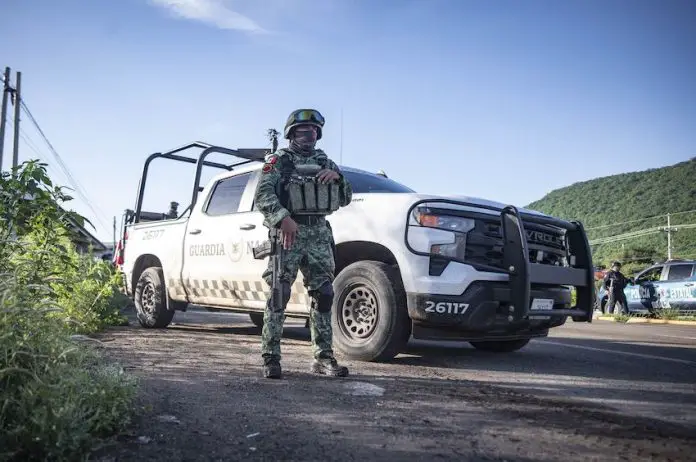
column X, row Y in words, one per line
column 639, row 233
column 30, row 144
column 624, row 236
column 78, row 188
column 664, row 215
column 40, row 154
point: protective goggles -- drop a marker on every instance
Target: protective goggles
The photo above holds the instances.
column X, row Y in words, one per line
column 307, row 115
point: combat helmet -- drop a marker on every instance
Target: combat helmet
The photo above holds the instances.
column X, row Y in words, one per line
column 304, row 117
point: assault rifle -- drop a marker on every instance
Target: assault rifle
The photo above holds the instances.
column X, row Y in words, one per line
column 272, row 248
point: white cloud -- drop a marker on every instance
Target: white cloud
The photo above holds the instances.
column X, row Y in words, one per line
column 213, row 12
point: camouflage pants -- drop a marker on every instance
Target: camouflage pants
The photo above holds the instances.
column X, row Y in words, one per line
column 311, row 253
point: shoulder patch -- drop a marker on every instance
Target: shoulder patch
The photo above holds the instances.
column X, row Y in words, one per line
column 269, row 161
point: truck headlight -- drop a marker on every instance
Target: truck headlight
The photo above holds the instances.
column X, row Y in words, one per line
column 459, row 226
column 455, row 250
column 425, row 217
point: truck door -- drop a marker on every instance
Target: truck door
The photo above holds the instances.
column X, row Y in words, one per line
column 247, row 272
column 647, row 296
column 220, row 268
column 677, row 290
column 212, row 247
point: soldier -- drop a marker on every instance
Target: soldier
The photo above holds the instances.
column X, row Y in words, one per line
column 307, row 242
column 615, row 283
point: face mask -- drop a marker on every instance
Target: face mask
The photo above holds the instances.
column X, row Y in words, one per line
column 304, row 139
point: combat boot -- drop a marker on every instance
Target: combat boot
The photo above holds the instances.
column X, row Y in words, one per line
column 329, row 366
column 271, row 368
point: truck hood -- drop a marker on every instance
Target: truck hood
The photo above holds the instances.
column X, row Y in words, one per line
column 473, row 200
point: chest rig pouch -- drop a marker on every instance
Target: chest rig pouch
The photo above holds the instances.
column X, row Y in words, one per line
column 302, row 194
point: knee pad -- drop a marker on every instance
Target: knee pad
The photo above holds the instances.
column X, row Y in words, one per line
column 323, row 298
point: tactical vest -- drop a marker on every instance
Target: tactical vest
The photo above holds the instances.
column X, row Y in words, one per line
column 303, row 194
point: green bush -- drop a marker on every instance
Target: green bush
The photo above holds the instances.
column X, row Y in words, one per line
column 58, row 396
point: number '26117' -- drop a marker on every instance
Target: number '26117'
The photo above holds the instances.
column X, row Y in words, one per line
column 446, row 307
column 147, row 235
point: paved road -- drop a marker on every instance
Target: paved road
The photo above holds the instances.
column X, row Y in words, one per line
column 609, row 391
column 643, row 369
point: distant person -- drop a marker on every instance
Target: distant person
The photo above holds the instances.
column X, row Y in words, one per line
column 615, row 283
column 173, row 210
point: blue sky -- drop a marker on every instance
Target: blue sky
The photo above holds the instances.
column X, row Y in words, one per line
column 505, row 100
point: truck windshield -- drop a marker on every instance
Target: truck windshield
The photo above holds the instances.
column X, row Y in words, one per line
column 363, row 182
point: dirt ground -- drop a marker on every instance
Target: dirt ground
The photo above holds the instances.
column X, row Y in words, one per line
column 203, row 399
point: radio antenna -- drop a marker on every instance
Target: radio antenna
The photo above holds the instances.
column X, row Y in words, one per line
column 340, row 158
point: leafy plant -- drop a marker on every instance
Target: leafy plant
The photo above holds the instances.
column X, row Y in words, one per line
column 56, row 397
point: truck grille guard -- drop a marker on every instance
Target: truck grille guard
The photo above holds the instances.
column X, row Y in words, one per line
column 521, row 272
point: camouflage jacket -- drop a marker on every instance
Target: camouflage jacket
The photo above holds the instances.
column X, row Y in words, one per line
column 267, row 200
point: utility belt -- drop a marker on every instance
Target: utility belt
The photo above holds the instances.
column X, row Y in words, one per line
column 309, row 220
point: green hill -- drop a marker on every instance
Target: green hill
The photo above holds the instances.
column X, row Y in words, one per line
column 636, row 202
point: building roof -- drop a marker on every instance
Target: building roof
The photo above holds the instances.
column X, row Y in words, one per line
column 85, row 237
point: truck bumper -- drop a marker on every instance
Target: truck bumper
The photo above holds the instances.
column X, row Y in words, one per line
column 534, row 298
column 483, row 311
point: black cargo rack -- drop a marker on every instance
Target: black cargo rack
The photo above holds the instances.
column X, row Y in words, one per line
column 248, row 156
column 521, row 271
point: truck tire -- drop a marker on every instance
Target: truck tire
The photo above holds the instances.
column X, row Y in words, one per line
column 501, row 346
column 151, row 299
column 256, row 319
column 370, row 320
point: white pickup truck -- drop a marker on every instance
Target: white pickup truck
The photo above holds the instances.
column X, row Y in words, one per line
column 407, row 264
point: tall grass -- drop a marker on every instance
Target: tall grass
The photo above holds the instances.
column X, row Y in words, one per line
column 58, row 395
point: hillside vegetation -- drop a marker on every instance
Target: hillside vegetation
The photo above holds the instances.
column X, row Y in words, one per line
column 632, row 202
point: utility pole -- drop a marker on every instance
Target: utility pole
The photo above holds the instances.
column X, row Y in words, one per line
column 114, row 234
column 273, row 136
column 669, row 230
column 17, row 103
column 669, row 238
column 3, row 112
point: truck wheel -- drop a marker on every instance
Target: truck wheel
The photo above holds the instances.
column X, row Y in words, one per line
column 370, row 320
column 502, row 346
column 257, row 319
column 151, row 299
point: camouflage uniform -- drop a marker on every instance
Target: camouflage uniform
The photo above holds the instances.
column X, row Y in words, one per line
column 312, row 253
